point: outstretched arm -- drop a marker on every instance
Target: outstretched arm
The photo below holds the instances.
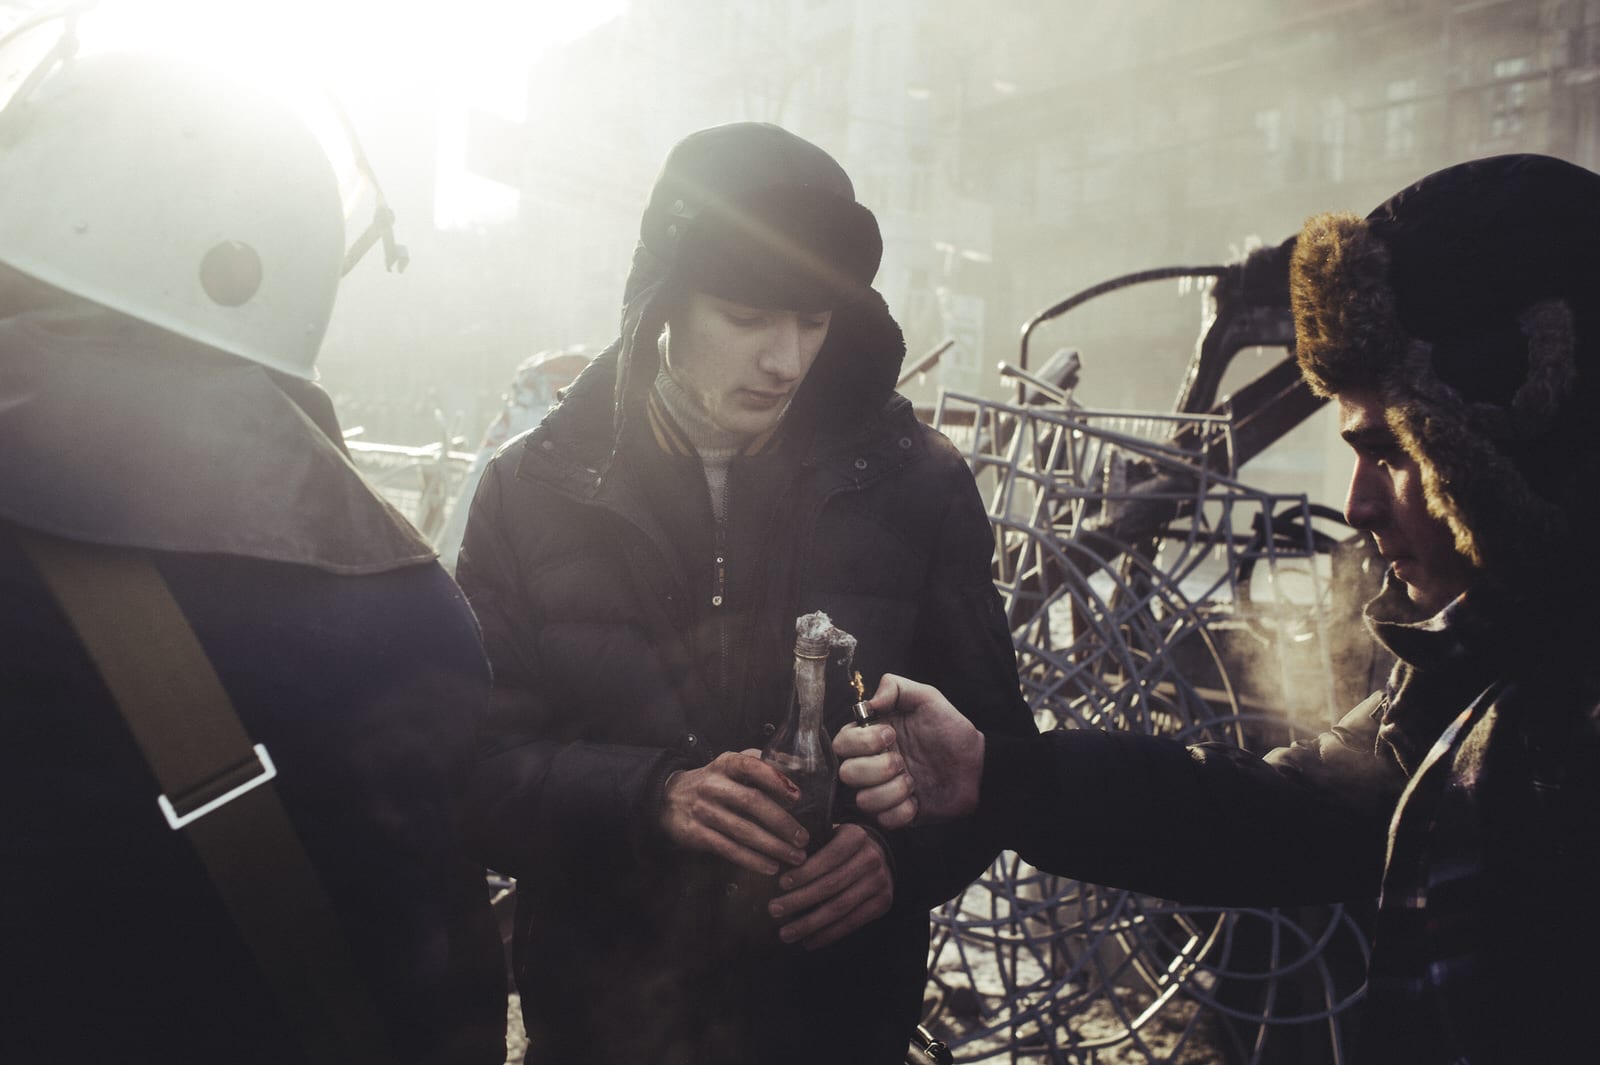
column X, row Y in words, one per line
column 1209, row 823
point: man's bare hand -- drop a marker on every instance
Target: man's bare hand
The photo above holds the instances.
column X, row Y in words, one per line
column 735, row 808
column 923, row 767
column 843, row 886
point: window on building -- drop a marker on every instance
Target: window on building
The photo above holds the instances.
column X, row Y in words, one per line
column 1099, row 183
column 1508, row 109
column 1269, row 124
column 1400, row 119
column 1059, row 188
column 1506, row 104
column 1332, row 138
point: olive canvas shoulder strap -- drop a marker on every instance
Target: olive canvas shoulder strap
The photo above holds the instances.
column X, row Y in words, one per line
column 216, row 787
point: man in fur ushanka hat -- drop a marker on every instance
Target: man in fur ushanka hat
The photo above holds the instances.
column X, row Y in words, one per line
column 1457, row 328
column 1466, row 308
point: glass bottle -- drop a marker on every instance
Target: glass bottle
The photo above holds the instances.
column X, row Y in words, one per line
column 801, row 748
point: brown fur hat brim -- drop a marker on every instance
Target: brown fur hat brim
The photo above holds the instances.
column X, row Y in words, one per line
column 1347, row 333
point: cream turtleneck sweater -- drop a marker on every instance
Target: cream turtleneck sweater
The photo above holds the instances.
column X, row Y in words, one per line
column 715, row 445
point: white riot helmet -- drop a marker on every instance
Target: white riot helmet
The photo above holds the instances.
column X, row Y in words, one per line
column 165, row 191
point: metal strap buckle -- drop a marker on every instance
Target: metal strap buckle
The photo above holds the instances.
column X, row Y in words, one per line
column 177, row 821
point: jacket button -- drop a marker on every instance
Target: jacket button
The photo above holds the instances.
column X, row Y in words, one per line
column 672, row 232
column 677, row 206
column 905, row 442
column 769, row 728
column 861, row 464
column 716, row 600
column 730, row 888
column 691, row 739
column 547, row 445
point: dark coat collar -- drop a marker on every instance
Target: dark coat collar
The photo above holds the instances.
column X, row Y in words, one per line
column 115, row 433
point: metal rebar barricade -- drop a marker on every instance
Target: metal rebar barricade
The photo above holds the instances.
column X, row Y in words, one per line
column 1147, row 590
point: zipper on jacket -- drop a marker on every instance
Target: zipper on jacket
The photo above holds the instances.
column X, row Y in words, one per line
column 719, row 593
column 804, row 546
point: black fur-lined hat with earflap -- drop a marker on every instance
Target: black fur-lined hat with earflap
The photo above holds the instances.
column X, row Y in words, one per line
column 1470, row 302
column 752, row 213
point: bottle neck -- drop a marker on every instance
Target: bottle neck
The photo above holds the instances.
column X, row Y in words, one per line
column 809, row 689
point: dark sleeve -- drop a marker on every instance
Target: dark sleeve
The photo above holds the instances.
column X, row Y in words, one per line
column 962, row 647
column 1209, row 824
column 539, row 799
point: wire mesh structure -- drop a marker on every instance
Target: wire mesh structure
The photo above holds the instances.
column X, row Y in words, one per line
column 1147, row 590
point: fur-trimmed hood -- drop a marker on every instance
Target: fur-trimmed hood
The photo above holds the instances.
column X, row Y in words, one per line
column 1470, row 302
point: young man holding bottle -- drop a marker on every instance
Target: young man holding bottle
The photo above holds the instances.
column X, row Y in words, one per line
column 736, row 459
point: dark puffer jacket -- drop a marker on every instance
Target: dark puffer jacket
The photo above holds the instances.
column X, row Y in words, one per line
column 589, row 560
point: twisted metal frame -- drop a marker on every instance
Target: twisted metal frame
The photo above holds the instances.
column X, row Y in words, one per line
column 1135, row 571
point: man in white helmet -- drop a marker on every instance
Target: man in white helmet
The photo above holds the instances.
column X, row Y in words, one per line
column 170, row 246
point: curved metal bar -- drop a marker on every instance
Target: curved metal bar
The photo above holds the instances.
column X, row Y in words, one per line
column 1163, row 273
